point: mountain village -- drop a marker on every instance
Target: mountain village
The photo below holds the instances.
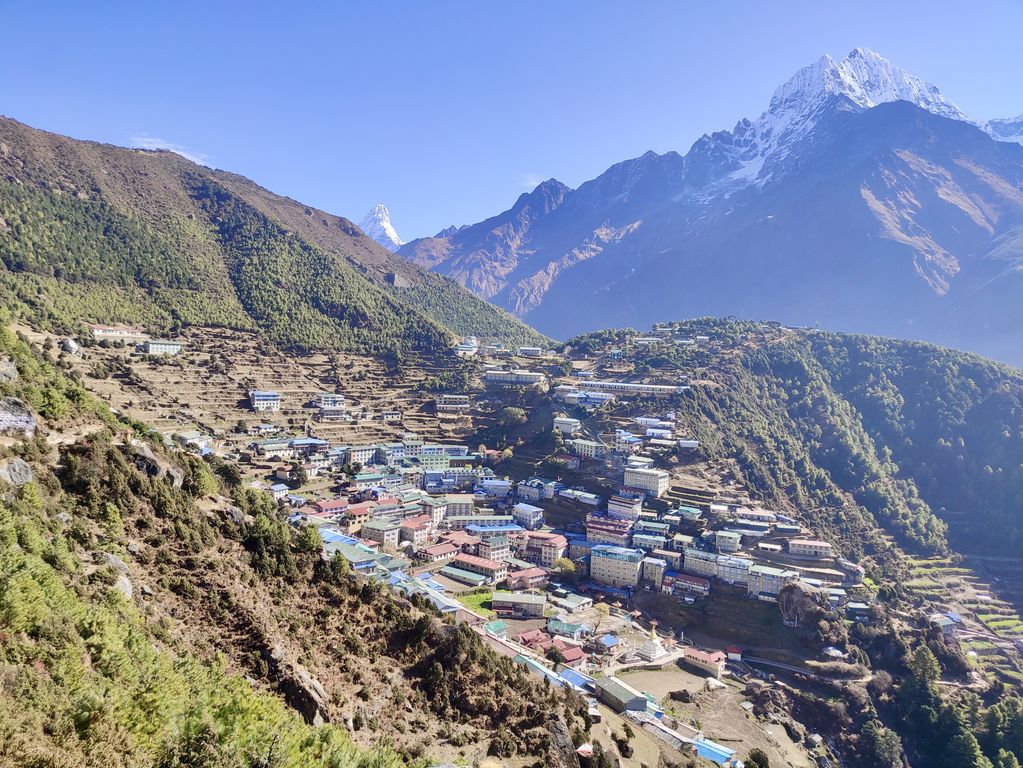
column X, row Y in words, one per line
column 711, row 458
column 569, row 559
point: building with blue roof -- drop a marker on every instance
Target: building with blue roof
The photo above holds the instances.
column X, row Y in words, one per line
column 330, row 535
column 488, row 531
column 576, row 679
column 264, row 400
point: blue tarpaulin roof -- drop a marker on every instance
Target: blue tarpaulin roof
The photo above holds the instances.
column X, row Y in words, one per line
column 576, row 679
column 609, row 641
column 328, row 535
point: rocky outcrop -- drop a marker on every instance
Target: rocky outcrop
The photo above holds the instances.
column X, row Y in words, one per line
column 155, row 466
column 16, row 417
column 8, row 370
column 16, row 472
column 301, row 690
column 561, row 742
column 800, row 603
column 123, row 585
column 114, row 562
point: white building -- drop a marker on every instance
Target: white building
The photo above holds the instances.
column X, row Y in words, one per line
column 810, row 548
column 765, row 581
column 160, row 347
column 329, row 400
column 264, row 400
column 734, row 570
column 616, row 566
column 631, row 388
column 625, row 506
column 383, row 531
column 453, row 403
column 516, row 378
column 537, row 489
column 496, row 487
column 567, row 425
column 727, row 541
column 653, row 482
column 459, row 504
column 362, row 454
column 527, row 515
column 588, row 449
column 194, row 439
column 117, row 333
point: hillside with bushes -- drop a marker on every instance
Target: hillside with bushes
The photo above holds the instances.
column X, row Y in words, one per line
column 92, row 232
column 155, row 613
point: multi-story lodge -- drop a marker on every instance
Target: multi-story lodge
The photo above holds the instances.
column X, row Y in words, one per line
column 331, row 406
column 384, row 531
column 810, row 548
column 537, row 488
column 567, row 425
column 540, row 547
column 625, row 505
column 514, row 378
column 608, row 530
column 117, row 333
column 452, row 403
column 264, row 400
column 160, row 347
column 631, row 388
column 616, row 566
column 494, row 570
column 653, row 482
column 765, row 581
column 527, row 515
column 588, row 449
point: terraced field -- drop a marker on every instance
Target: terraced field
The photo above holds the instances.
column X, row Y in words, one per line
column 990, row 626
column 206, row 387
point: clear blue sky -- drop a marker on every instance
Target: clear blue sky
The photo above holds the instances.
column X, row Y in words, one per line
column 448, row 110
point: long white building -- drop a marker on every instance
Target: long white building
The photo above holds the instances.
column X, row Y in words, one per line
column 631, row 388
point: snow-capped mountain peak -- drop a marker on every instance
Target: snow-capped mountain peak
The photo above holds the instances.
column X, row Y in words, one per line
column 754, row 150
column 377, row 225
column 866, row 79
column 1007, row 129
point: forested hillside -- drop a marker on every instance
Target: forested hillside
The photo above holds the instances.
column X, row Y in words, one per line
column 953, row 423
column 91, row 232
column 155, row 613
column 859, row 432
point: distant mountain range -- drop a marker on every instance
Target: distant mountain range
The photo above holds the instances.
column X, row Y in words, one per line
column 861, row 200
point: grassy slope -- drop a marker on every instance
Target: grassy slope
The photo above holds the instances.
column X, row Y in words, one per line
column 90, row 231
column 92, row 678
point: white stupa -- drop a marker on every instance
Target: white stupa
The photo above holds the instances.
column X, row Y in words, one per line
column 653, row 648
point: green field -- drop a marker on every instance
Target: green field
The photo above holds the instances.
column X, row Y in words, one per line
column 480, row 603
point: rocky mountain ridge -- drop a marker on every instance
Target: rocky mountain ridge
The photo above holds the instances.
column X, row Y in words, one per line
column 921, row 226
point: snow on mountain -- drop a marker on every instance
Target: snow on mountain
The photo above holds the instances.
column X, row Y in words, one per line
column 1006, row 129
column 377, row 225
column 753, row 151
